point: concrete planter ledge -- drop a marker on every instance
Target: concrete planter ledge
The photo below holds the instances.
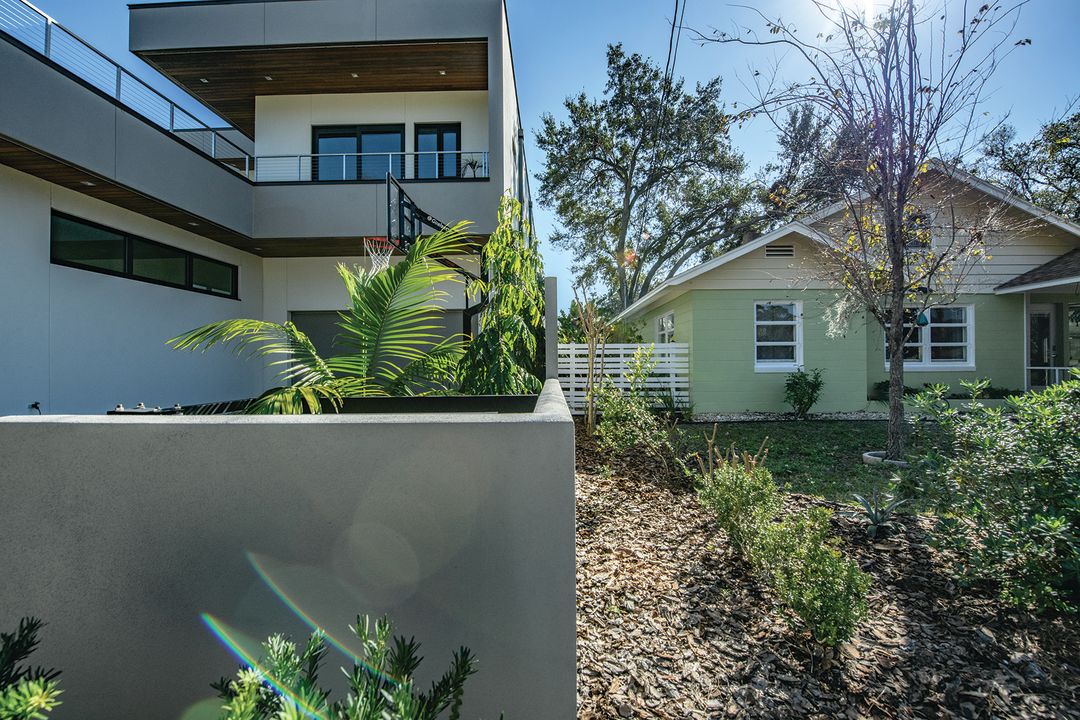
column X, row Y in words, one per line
column 459, row 525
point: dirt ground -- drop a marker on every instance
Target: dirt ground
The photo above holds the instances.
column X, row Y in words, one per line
column 671, row 625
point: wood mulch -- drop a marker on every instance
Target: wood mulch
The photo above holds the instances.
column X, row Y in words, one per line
column 671, row 624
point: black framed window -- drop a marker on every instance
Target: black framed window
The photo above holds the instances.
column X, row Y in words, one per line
column 438, row 150
column 78, row 243
column 161, row 263
column 88, row 246
column 357, row 152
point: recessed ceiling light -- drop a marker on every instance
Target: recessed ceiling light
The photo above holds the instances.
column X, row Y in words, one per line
column 256, row 248
column 268, row 77
column 442, row 72
column 193, row 224
column 87, row 183
column 355, row 75
column 203, row 80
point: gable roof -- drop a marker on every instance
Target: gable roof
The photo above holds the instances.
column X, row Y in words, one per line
column 654, row 295
column 803, row 227
column 1062, row 270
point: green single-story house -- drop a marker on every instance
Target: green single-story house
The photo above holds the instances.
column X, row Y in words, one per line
column 758, row 312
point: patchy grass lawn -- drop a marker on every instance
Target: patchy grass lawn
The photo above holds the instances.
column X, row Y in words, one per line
column 814, row 457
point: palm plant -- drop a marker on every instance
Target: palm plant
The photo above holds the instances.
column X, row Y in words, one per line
column 389, row 330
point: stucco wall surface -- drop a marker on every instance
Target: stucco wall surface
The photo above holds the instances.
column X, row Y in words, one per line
column 121, row 531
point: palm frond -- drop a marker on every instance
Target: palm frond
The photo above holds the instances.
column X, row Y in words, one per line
column 261, row 339
column 296, row 400
column 435, row 372
column 393, row 316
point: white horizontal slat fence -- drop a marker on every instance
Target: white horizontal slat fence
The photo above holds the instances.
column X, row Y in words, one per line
column 671, row 375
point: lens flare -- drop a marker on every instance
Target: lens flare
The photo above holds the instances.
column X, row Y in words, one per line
column 232, row 640
column 291, row 603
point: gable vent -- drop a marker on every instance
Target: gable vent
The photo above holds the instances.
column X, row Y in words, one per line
column 779, row 250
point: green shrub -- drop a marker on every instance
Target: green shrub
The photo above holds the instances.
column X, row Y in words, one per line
column 1007, row 481
column 880, row 391
column 740, row 491
column 627, row 419
column 820, row 589
column 802, row 390
column 26, row 692
column 284, row 683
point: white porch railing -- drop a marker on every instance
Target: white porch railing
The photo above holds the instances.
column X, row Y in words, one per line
column 671, row 375
column 1045, row 376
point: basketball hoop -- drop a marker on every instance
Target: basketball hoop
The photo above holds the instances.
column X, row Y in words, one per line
column 378, row 250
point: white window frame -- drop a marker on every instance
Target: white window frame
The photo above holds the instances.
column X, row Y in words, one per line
column 780, row 366
column 660, row 333
column 925, row 364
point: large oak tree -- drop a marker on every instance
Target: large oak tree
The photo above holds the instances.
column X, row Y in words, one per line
column 643, row 180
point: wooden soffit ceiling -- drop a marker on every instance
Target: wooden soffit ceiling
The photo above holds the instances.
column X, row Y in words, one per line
column 228, row 80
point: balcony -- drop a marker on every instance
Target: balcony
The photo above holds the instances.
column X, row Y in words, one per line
column 445, row 166
column 36, row 30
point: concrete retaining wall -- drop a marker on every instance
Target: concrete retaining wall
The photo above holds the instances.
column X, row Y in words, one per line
column 121, row 531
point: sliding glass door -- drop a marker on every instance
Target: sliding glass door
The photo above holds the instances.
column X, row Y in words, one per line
column 357, row 152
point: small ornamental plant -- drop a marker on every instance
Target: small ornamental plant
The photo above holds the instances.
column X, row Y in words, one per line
column 818, row 589
column 284, row 683
column 802, row 390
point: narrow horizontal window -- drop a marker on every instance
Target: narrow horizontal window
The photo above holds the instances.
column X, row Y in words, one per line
column 213, row 276
column 161, row 263
column 89, row 246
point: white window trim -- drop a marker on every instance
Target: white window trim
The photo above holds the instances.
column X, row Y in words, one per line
column 925, row 365
column 779, row 367
column 659, row 320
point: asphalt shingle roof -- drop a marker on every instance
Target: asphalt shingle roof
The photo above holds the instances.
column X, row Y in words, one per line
column 1061, row 267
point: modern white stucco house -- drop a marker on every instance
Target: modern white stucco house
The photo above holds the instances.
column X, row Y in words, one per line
column 124, row 221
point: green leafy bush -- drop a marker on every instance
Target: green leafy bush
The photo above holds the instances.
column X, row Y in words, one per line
column 820, row 589
column 390, row 333
column 802, row 390
column 740, row 491
column 1007, row 480
column 26, row 692
column 502, row 358
column 880, row 392
column 284, row 684
column 627, row 419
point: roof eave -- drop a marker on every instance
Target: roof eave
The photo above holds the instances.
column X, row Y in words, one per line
column 1041, row 285
column 649, row 298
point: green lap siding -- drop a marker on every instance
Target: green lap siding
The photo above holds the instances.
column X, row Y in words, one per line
column 721, row 337
column 719, row 326
column 684, row 320
column 999, row 347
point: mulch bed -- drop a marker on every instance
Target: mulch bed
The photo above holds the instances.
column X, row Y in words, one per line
column 671, row 624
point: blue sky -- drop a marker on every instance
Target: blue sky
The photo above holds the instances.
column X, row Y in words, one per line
column 559, row 48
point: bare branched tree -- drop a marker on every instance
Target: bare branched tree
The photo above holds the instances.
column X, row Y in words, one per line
column 597, row 330
column 909, row 84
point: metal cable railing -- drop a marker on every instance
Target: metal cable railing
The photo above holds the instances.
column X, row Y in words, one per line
column 336, row 167
column 35, row 29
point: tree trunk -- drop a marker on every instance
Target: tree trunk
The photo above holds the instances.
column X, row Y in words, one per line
column 894, row 448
